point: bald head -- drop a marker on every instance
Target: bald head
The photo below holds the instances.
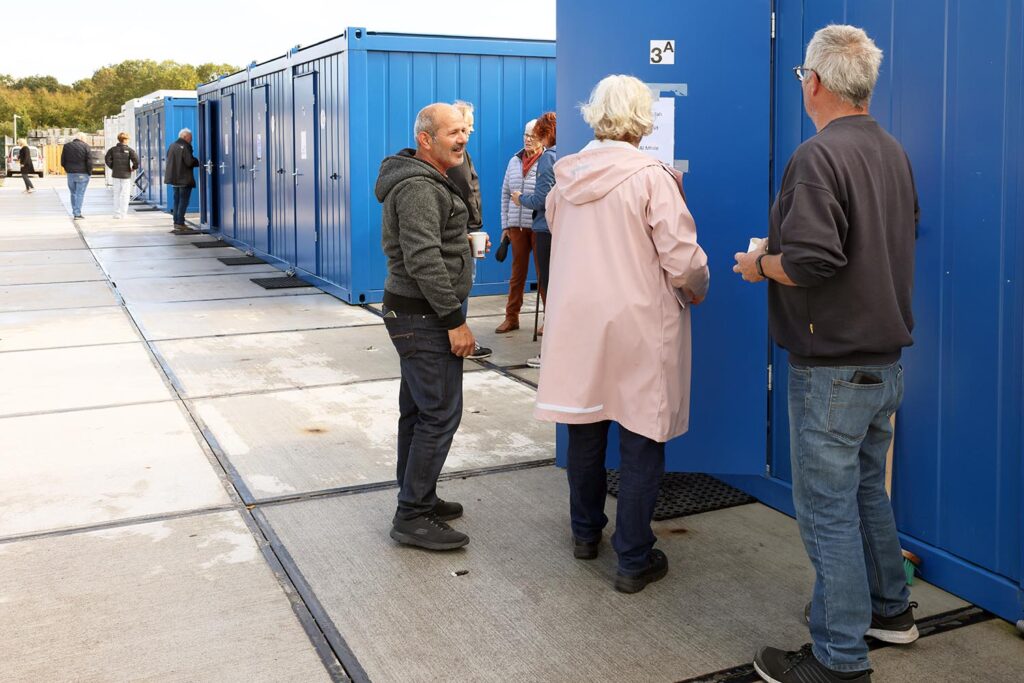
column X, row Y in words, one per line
column 441, row 135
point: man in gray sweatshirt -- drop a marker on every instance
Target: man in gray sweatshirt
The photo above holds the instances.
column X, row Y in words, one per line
column 429, row 276
column 839, row 261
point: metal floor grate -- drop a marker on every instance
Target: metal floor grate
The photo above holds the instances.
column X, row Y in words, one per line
column 241, row 260
column 210, row 245
column 685, row 493
column 280, row 282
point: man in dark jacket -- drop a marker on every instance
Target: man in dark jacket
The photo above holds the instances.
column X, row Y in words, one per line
column 122, row 161
column 839, row 262
column 468, row 182
column 76, row 160
column 423, row 235
column 179, row 175
column 25, row 159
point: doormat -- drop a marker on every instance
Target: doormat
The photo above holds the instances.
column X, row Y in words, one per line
column 686, row 493
column 209, row 245
column 280, row 282
column 241, row 260
column 149, row 208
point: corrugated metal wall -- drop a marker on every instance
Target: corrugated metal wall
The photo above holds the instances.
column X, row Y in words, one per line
column 157, row 124
column 364, row 79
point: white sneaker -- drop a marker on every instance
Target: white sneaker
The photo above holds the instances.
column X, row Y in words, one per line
column 534, row 362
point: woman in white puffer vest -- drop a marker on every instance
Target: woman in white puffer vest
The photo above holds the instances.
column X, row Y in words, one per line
column 517, row 222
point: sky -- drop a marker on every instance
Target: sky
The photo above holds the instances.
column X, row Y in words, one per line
column 87, row 37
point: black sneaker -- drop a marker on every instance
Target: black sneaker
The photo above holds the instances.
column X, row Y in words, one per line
column 426, row 531
column 584, row 550
column 479, row 353
column 898, row 630
column 801, row 666
column 445, row 510
column 656, row 570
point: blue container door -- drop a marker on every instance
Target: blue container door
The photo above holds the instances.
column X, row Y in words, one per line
column 226, row 167
column 720, row 92
column 306, row 211
column 162, row 149
column 261, row 165
column 151, row 187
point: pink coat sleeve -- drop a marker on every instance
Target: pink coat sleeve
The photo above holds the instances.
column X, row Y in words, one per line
column 675, row 237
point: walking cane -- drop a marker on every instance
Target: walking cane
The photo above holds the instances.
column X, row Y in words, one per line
column 536, row 313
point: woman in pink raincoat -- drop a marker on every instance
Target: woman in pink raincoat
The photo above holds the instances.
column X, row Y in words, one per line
column 625, row 267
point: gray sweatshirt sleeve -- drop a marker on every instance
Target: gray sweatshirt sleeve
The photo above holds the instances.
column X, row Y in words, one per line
column 813, row 232
column 422, row 210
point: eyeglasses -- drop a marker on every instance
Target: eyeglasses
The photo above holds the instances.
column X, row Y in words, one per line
column 801, row 72
column 527, row 136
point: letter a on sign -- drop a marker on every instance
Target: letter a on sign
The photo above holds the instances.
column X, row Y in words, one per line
column 663, row 52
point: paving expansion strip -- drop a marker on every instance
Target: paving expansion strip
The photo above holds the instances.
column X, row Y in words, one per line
column 929, row 626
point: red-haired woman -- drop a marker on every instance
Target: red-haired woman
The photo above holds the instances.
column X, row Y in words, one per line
column 544, row 131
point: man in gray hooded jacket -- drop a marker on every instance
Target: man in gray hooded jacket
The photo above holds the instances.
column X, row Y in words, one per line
column 429, row 276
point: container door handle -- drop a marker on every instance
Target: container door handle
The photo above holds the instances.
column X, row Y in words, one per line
column 222, row 167
column 209, row 167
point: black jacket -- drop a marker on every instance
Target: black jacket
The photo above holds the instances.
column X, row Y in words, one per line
column 76, row 157
column 466, row 180
column 25, row 159
column 122, row 161
column 845, row 223
column 180, row 163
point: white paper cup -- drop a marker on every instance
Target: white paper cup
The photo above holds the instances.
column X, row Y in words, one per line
column 756, row 244
column 479, row 243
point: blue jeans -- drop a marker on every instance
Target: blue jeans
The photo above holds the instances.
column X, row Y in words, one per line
column 429, row 404
column 640, row 472
column 180, row 203
column 839, row 436
column 77, row 182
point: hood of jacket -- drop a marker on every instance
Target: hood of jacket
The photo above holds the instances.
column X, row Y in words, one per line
column 403, row 166
column 598, row 169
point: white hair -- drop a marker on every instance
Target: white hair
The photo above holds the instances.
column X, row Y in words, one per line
column 619, row 108
column 529, row 125
column 83, row 136
column 183, row 132
column 846, row 61
column 466, row 109
column 425, row 122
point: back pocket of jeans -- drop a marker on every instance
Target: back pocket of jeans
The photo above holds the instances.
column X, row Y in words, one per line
column 851, row 408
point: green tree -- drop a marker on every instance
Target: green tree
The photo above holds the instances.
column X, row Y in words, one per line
column 48, row 83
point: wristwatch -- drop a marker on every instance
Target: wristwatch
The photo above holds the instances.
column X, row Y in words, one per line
column 760, row 269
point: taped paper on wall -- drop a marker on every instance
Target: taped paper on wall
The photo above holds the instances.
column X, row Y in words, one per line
column 302, row 145
column 661, row 143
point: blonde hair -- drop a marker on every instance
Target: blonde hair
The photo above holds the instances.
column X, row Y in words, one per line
column 846, row 61
column 122, row 137
column 466, row 109
column 619, row 108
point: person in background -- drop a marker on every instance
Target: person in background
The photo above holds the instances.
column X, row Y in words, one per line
column 178, row 174
column 423, row 235
column 122, row 161
column 625, row 270
column 27, row 168
column 468, row 183
column 76, row 160
column 839, row 263
column 544, row 131
column 520, row 176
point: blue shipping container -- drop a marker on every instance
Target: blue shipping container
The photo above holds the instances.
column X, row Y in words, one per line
column 951, row 91
column 157, row 125
column 291, row 147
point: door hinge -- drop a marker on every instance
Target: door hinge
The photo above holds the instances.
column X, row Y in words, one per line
column 773, row 24
column 769, row 377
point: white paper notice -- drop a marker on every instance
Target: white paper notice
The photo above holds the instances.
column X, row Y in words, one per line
column 259, row 146
column 661, row 143
column 227, row 144
column 302, row 145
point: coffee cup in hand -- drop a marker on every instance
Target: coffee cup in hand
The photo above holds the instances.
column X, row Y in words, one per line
column 479, row 241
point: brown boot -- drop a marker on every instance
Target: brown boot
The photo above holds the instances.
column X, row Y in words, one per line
column 507, row 326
